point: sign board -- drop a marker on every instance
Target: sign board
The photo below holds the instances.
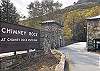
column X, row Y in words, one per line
column 18, row 38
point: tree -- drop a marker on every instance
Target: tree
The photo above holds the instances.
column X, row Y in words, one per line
column 37, row 9
column 76, row 21
column 8, row 12
column 34, row 9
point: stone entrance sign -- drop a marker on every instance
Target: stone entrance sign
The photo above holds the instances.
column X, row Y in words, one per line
column 17, row 38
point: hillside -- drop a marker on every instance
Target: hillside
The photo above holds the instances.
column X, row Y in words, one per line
column 75, row 20
column 85, row 1
column 70, row 16
column 57, row 15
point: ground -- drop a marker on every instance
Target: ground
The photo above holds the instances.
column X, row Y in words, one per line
column 80, row 59
column 46, row 63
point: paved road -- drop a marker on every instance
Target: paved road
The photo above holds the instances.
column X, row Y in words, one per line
column 81, row 60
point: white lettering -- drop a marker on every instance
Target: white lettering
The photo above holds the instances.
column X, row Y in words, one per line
column 11, row 31
column 8, row 30
column 3, row 39
column 33, row 34
column 3, row 30
column 13, row 39
column 14, row 31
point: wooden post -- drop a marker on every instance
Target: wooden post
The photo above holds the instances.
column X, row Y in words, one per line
column 95, row 44
column 15, row 53
column 27, row 51
column 29, row 54
column 0, row 63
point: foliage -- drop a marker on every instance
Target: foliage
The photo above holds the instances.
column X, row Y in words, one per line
column 8, row 12
column 37, row 9
column 85, row 1
column 78, row 16
column 67, row 32
column 31, row 23
column 40, row 11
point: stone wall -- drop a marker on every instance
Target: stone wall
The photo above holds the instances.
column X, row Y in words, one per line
column 93, row 32
column 19, row 62
column 52, row 35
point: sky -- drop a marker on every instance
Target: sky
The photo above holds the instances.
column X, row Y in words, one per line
column 21, row 5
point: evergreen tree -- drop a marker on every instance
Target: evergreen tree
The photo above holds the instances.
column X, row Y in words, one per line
column 37, row 9
column 8, row 12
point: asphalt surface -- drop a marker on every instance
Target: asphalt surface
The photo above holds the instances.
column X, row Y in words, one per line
column 80, row 59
